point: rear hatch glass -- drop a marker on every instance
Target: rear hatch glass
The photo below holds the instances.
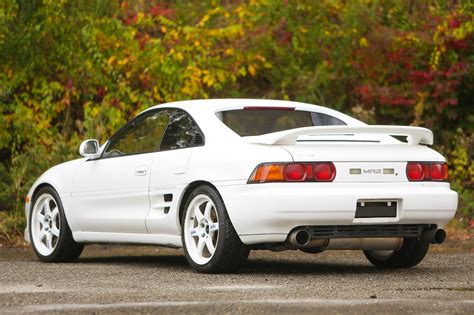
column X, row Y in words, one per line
column 259, row 121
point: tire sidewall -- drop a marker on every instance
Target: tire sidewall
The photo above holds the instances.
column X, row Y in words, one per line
column 411, row 254
column 222, row 217
column 62, row 229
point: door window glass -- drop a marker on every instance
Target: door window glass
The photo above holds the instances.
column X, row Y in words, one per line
column 142, row 135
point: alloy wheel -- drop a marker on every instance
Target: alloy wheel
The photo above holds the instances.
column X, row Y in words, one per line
column 45, row 224
column 201, row 228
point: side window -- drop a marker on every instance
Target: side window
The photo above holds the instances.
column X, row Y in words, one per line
column 320, row 119
column 143, row 135
column 182, row 132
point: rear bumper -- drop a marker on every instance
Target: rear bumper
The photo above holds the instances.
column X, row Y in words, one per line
column 264, row 213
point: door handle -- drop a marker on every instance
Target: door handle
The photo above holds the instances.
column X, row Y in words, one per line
column 140, row 171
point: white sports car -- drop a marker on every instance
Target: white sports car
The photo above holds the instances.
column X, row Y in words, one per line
column 222, row 177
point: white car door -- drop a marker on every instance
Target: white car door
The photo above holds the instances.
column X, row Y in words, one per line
column 110, row 194
column 169, row 172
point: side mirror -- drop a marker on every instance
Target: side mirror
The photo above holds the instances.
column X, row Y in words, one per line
column 89, row 149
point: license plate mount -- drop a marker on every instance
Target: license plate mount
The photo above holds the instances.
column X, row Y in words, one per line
column 376, row 209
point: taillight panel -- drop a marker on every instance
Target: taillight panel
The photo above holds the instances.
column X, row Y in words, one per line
column 293, row 172
column 427, row 171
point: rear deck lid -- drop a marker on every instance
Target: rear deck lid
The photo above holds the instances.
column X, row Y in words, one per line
column 359, row 153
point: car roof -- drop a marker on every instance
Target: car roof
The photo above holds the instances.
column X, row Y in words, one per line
column 232, row 103
column 208, row 106
column 204, row 113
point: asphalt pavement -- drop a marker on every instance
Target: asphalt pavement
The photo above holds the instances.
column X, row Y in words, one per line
column 128, row 279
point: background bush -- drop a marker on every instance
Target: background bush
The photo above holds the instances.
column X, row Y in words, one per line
column 80, row 69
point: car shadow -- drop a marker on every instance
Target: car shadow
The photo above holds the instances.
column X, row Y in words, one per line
column 259, row 266
column 151, row 260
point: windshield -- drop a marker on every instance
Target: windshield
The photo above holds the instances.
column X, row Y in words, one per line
column 254, row 122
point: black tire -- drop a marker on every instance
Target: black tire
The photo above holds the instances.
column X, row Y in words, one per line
column 230, row 253
column 66, row 249
column 411, row 254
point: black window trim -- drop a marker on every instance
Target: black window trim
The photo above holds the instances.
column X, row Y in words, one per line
column 139, row 116
column 199, row 130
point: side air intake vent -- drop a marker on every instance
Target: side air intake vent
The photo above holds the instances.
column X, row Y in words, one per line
column 198, row 139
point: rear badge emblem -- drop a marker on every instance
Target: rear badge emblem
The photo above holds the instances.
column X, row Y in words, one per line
column 385, row 171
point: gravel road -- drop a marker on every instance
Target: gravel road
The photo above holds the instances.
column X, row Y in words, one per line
column 124, row 279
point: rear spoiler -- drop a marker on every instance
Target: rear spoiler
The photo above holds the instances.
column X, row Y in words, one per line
column 415, row 135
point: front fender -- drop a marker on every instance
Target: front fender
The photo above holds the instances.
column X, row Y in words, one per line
column 60, row 178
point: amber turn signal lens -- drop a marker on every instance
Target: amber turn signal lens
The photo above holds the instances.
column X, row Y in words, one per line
column 268, row 173
column 446, row 173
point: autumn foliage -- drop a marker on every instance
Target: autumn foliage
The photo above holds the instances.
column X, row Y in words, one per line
column 72, row 70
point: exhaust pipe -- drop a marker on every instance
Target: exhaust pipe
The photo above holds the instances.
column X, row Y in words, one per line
column 302, row 239
column 434, row 236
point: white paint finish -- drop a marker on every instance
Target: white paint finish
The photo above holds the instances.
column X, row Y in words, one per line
column 279, row 207
column 109, row 196
column 168, row 176
column 132, row 238
column 364, row 152
column 415, row 135
column 122, row 199
column 370, row 172
column 60, row 178
column 159, row 222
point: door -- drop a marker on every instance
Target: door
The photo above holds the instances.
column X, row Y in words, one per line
column 110, row 194
column 169, row 172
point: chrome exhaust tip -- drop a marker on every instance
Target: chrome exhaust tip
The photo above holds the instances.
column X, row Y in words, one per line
column 300, row 238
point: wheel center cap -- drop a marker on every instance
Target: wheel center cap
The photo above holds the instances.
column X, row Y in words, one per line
column 204, row 227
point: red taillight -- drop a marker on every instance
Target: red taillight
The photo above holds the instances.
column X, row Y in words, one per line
column 415, row 171
column 436, row 171
column 427, row 171
column 293, row 172
column 324, row 172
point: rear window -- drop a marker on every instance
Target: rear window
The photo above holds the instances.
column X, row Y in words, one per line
column 254, row 122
